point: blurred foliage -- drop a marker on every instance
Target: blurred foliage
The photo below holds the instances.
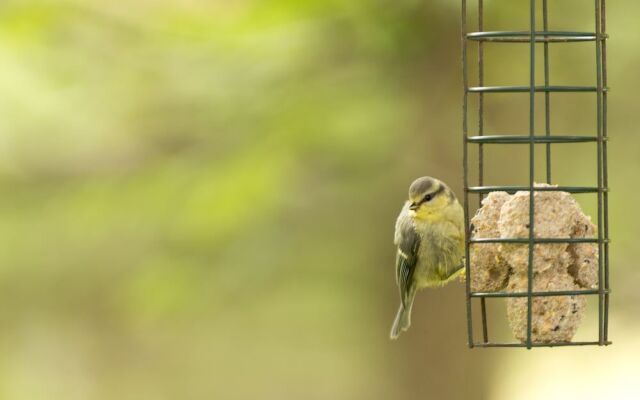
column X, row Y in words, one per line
column 197, row 198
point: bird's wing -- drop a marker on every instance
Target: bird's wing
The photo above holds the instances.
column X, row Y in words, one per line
column 403, row 218
column 408, row 242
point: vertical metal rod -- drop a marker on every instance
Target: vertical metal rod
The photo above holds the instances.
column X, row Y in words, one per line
column 600, row 175
column 532, row 98
column 485, row 326
column 547, row 95
column 605, row 178
column 480, row 98
column 465, row 133
column 483, row 302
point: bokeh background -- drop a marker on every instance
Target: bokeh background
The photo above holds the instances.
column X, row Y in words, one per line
column 197, row 198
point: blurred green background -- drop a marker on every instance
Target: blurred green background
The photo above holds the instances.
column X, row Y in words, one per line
column 198, row 198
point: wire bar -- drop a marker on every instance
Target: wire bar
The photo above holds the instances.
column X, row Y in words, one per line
column 465, row 163
column 539, row 344
column 537, row 294
column 483, row 304
column 600, row 178
column 532, row 120
column 605, row 178
column 535, row 240
column 547, row 95
column 527, row 89
column 521, row 139
column 540, row 36
column 533, row 37
column 513, row 189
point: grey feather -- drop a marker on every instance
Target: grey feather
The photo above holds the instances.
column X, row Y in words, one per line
column 408, row 242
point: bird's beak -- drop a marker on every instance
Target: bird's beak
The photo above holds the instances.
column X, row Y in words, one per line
column 414, row 206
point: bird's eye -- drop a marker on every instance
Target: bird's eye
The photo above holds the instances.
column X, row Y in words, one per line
column 428, row 197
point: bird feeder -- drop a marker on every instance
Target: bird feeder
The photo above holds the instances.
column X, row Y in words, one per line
column 541, row 252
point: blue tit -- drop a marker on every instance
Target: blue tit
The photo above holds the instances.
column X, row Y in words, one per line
column 430, row 239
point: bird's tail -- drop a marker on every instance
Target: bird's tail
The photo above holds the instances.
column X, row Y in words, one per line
column 403, row 318
column 402, row 321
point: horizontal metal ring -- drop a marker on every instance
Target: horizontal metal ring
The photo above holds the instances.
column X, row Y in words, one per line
column 536, row 240
column 583, row 292
column 524, row 139
column 540, row 36
column 527, row 89
column 513, row 189
column 540, row 344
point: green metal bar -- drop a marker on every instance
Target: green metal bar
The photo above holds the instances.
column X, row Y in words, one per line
column 580, row 292
column 539, row 344
column 540, row 36
column 600, row 179
column 465, row 159
column 527, row 89
column 480, row 100
column 483, row 305
column 513, row 189
column 547, row 95
column 532, row 117
column 535, row 240
column 605, row 175
column 522, row 139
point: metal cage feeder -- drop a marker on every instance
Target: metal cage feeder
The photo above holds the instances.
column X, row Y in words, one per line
column 534, row 37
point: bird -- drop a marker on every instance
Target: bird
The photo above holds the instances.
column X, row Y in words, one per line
column 429, row 235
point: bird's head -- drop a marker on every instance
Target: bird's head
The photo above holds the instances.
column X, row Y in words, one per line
column 429, row 197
